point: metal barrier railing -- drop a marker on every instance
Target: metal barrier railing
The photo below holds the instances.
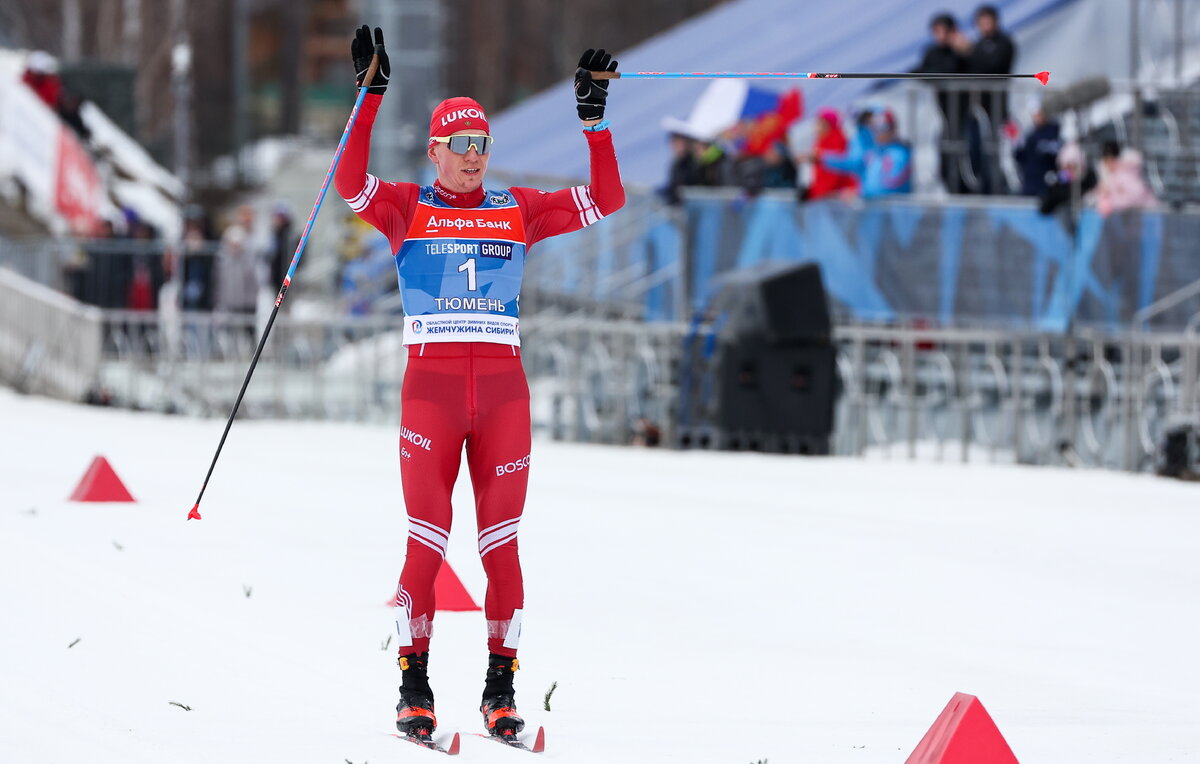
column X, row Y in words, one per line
column 1088, row 397
column 48, row 342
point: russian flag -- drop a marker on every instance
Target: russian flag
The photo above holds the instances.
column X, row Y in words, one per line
column 764, row 114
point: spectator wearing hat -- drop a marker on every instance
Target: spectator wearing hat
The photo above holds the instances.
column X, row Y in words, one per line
column 239, row 260
column 1074, row 172
column 826, row 181
column 41, row 75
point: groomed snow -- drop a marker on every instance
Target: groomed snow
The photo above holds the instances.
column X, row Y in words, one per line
column 693, row 607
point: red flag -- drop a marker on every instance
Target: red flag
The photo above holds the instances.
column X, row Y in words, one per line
column 771, row 127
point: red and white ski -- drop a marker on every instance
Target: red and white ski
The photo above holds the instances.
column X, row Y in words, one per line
column 428, row 742
column 539, row 741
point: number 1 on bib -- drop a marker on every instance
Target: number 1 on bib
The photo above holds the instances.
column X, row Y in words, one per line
column 469, row 267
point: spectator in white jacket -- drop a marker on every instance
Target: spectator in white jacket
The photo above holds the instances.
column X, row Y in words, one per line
column 239, row 265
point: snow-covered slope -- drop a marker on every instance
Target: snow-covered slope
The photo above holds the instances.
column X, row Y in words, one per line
column 693, row 607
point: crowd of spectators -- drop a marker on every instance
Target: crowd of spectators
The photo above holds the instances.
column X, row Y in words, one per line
column 968, row 114
column 862, row 155
column 871, row 161
column 722, row 162
column 128, row 266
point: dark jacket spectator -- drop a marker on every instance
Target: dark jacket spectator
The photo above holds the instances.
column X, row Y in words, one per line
column 771, row 169
column 684, row 170
column 1037, row 153
column 941, row 57
column 197, row 292
column 992, row 53
column 713, row 165
column 283, row 245
column 1073, row 168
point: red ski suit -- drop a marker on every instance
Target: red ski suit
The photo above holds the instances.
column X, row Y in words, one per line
column 471, row 393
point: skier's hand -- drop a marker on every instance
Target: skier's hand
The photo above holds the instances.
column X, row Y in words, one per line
column 361, row 51
column 590, row 94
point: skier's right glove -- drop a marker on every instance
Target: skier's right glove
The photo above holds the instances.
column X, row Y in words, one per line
column 361, row 50
column 590, row 94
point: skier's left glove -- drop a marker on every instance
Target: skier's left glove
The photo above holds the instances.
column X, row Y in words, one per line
column 590, row 94
column 361, row 51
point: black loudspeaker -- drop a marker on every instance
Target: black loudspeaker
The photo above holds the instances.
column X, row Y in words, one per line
column 770, row 382
column 1179, row 454
column 795, row 307
column 776, row 398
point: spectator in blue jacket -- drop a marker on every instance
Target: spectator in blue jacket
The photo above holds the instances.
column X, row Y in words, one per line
column 883, row 163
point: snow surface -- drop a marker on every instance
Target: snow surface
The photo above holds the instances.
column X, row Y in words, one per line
column 709, row 607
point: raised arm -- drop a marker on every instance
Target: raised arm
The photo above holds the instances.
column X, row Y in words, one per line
column 383, row 204
column 552, row 213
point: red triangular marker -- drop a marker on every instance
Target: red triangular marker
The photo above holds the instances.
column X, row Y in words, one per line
column 454, row 746
column 1043, row 77
column 964, row 733
column 448, row 591
column 195, row 513
column 539, row 743
column 100, row 483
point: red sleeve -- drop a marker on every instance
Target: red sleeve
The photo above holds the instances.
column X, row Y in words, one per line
column 386, row 205
column 549, row 213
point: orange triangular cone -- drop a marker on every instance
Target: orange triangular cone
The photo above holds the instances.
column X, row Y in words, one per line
column 100, row 483
column 964, row 733
column 449, row 592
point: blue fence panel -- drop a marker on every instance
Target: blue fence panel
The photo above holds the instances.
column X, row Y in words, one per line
column 953, row 262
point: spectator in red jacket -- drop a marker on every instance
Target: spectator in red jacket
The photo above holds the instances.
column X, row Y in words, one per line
column 41, row 75
column 828, row 182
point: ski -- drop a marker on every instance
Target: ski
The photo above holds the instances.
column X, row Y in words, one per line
column 427, row 742
column 539, row 741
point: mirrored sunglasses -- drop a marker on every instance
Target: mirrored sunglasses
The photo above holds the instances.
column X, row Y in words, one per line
column 461, row 144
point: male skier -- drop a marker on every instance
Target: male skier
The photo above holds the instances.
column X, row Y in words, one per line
column 460, row 252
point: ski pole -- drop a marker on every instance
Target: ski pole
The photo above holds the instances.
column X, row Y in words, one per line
column 1042, row 77
column 194, row 514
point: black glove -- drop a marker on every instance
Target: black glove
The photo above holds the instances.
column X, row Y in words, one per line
column 361, row 50
column 591, row 94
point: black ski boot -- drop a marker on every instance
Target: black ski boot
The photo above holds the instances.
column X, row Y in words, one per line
column 414, row 712
column 499, row 709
